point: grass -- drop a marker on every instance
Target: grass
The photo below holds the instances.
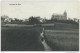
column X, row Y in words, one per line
column 21, row 39
column 60, row 40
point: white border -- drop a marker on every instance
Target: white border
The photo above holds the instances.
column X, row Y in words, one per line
column 37, row 51
column 40, row 0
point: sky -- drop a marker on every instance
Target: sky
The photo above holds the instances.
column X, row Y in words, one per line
column 25, row 9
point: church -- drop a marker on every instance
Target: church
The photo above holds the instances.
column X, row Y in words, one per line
column 60, row 16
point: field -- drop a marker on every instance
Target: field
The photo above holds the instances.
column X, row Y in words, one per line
column 21, row 39
column 27, row 38
column 63, row 40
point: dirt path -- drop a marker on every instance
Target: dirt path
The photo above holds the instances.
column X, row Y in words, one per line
column 46, row 47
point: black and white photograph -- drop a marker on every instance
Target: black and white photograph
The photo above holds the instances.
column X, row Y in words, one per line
column 39, row 26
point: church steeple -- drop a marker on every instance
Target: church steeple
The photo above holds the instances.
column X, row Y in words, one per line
column 65, row 14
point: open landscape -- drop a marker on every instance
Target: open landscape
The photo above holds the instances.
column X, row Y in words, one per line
column 21, row 39
column 39, row 26
column 62, row 40
column 26, row 38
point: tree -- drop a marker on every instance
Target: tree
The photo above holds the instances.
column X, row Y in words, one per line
column 34, row 20
column 4, row 17
column 78, row 21
column 17, row 21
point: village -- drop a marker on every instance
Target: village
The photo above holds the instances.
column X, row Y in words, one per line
column 56, row 34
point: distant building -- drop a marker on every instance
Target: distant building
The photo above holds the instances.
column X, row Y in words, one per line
column 60, row 16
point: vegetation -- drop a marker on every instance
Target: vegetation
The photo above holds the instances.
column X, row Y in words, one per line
column 21, row 39
column 62, row 40
column 64, row 37
column 36, row 20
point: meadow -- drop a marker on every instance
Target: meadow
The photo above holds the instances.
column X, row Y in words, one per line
column 21, row 39
column 62, row 40
column 27, row 38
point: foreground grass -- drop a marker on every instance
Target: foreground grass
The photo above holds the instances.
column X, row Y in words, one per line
column 28, row 39
column 62, row 40
column 21, row 39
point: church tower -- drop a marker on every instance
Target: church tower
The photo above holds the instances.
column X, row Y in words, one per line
column 65, row 15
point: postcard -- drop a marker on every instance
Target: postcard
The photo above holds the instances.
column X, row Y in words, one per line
column 39, row 26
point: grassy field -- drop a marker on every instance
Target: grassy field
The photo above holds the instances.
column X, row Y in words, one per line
column 20, row 39
column 63, row 40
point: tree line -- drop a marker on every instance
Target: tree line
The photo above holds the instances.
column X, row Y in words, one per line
column 36, row 20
